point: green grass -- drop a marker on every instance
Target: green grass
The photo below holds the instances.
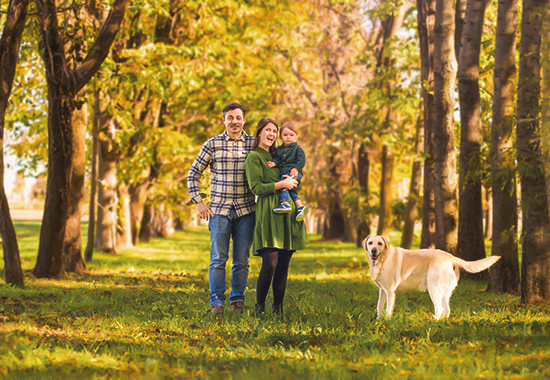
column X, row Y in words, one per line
column 145, row 314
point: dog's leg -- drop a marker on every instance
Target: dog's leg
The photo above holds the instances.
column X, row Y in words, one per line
column 448, row 293
column 391, row 303
column 381, row 302
column 437, row 298
column 445, row 302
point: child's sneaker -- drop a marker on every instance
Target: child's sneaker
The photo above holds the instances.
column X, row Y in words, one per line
column 300, row 213
column 283, row 208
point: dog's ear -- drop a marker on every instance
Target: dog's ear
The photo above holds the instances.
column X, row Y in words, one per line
column 365, row 242
column 386, row 241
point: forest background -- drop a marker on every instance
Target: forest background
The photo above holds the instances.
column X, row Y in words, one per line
column 113, row 100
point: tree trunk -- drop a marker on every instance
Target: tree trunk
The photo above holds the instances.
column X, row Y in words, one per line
column 50, row 261
column 146, row 231
column 384, row 220
column 426, row 21
column 443, row 143
column 107, row 177
column 124, row 230
column 64, row 84
column 392, row 24
column 471, row 243
column 138, row 197
column 162, row 221
column 535, row 265
column 504, row 275
column 10, row 43
column 334, row 226
column 363, row 165
column 545, row 120
column 88, row 253
column 73, row 237
column 488, row 213
column 460, row 16
column 414, row 190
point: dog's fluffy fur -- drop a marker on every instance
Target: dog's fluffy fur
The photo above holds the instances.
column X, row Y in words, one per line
column 398, row 270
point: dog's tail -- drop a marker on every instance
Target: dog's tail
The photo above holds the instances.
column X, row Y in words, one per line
column 475, row 266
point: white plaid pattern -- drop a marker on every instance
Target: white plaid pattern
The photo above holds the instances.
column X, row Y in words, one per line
column 225, row 157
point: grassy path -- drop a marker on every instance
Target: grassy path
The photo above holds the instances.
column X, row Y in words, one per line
column 144, row 314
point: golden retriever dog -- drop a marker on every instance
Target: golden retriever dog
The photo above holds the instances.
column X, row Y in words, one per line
column 398, row 270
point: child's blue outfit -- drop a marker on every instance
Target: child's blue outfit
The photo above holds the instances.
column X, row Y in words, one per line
column 286, row 158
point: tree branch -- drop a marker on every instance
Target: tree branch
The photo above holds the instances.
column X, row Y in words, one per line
column 342, row 92
column 9, row 46
column 60, row 10
column 98, row 52
column 52, row 41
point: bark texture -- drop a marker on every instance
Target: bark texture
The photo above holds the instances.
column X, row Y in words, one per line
column 386, row 182
column 460, row 19
column 504, row 275
column 124, row 226
column 107, row 178
column 88, row 253
column 138, row 198
column 443, row 142
column 10, row 43
column 391, row 26
column 414, row 189
column 471, row 244
column 363, row 166
column 63, row 86
column 73, row 239
column 426, row 21
column 535, row 265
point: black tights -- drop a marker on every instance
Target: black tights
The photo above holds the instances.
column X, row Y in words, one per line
column 274, row 267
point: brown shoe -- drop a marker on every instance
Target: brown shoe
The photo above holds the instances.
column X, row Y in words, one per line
column 237, row 307
column 218, row 309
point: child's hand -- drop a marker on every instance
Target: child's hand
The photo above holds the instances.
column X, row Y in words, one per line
column 294, row 172
column 271, row 164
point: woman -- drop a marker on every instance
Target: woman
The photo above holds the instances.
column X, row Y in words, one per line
column 276, row 236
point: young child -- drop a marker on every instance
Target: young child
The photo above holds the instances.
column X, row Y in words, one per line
column 290, row 159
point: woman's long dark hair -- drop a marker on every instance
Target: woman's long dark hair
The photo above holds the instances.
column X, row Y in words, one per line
column 261, row 125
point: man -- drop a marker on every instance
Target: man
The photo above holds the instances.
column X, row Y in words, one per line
column 232, row 206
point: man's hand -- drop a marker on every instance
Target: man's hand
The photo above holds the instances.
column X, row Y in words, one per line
column 204, row 211
column 271, row 164
column 294, row 172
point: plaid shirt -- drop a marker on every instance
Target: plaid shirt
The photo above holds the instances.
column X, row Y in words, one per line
column 229, row 187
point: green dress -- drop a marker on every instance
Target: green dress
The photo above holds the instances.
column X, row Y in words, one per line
column 272, row 230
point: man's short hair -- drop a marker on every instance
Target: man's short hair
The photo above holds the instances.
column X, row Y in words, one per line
column 233, row 106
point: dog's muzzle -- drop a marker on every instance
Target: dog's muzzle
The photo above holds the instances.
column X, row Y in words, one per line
column 374, row 254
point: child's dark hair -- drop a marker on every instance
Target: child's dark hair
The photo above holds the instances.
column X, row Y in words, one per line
column 233, row 106
column 290, row 126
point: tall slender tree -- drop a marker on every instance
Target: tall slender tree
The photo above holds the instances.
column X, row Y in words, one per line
column 89, row 251
column 504, row 275
column 471, row 244
column 426, row 21
column 535, row 265
column 386, row 61
column 414, row 189
column 63, row 87
column 443, row 142
column 72, row 251
column 10, row 43
column 107, row 179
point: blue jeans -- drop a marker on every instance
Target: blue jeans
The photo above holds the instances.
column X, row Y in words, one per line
column 284, row 194
column 222, row 229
